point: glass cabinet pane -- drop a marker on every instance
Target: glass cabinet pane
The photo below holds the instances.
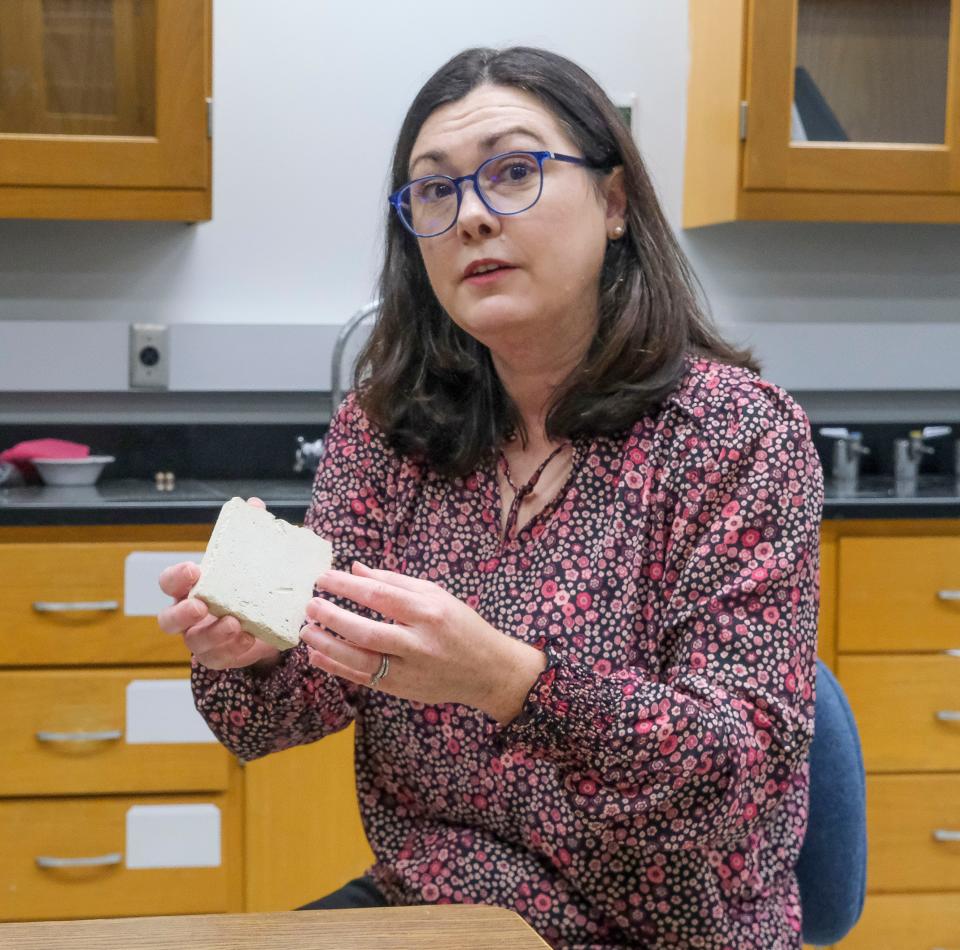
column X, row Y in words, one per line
column 871, row 71
column 78, row 67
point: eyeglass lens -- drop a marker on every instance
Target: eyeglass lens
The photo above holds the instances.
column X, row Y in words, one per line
column 507, row 183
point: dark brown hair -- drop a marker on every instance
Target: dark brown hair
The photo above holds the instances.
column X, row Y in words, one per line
column 433, row 389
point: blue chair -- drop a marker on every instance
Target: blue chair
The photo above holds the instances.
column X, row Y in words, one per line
column 832, row 868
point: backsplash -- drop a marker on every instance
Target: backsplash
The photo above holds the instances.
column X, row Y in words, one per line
column 194, row 451
column 267, row 450
column 879, row 438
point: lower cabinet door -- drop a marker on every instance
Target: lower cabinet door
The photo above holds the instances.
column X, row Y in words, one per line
column 91, row 732
column 913, row 823
column 117, row 857
column 905, row 707
column 907, row 922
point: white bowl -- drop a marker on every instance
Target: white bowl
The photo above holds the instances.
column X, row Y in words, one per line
column 83, row 471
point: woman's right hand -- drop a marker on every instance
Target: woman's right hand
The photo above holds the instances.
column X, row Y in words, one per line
column 219, row 643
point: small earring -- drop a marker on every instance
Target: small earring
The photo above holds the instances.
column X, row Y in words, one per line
column 618, row 232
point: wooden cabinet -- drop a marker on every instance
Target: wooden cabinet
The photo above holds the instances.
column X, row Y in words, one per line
column 70, row 653
column 291, row 825
column 904, row 812
column 897, row 656
column 104, row 109
column 900, row 594
column 40, row 834
column 907, row 922
column 843, row 110
column 63, row 603
column 65, row 734
column 303, row 835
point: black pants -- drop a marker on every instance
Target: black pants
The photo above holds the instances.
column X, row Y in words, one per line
column 360, row 892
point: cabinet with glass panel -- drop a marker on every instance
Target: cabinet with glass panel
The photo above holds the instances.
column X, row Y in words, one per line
column 845, row 110
column 104, row 109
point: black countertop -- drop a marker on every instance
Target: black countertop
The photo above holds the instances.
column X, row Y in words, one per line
column 214, row 463
column 138, row 501
column 878, row 496
column 198, row 501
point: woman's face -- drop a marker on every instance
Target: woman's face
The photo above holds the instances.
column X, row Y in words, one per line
column 547, row 289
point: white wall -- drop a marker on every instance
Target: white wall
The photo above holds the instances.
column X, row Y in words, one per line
column 308, row 99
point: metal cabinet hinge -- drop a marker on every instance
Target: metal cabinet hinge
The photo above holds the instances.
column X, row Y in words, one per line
column 744, row 107
column 209, row 118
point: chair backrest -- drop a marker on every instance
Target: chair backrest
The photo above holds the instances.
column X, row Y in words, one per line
column 832, row 869
column 353, row 334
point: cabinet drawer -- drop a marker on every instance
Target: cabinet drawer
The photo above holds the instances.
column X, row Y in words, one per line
column 895, row 594
column 903, row 812
column 64, row 603
column 48, row 714
column 96, row 829
column 906, row 922
column 896, row 701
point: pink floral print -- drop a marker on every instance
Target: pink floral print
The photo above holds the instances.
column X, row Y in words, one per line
column 653, row 791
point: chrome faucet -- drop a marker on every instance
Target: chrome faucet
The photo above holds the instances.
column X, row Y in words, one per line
column 909, row 452
column 308, row 453
column 847, row 451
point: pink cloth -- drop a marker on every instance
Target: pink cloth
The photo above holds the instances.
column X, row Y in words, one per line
column 23, row 453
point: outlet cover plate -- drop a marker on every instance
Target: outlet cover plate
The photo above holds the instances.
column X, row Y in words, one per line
column 149, row 356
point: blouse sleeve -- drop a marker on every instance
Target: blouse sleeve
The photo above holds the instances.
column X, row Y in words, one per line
column 254, row 714
column 704, row 747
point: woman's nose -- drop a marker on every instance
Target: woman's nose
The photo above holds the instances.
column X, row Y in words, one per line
column 475, row 218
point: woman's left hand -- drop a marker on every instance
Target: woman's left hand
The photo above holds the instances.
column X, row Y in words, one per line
column 440, row 650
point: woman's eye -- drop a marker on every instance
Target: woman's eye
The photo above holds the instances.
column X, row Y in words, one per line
column 434, row 190
column 512, row 170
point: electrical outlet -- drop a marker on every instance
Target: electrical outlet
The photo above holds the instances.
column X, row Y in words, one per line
column 149, row 356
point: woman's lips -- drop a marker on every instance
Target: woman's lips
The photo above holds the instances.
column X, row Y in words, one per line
column 488, row 277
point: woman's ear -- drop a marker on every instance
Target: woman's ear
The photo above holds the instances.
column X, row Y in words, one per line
column 615, row 195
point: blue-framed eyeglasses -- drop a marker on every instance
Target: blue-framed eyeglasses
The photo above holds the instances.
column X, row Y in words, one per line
column 506, row 184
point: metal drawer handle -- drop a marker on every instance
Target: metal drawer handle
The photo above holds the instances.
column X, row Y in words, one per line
column 60, row 607
column 948, row 715
column 952, row 652
column 942, row 835
column 98, row 861
column 104, row 735
column 948, row 594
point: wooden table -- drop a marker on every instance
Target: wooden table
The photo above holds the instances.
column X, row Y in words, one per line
column 440, row 927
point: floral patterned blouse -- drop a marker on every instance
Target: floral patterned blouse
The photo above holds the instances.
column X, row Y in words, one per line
column 653, row 790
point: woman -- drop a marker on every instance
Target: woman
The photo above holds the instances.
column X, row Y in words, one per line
column 576, row 541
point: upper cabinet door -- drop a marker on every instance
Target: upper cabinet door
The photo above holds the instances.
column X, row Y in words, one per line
column 104, row 93
column 853, row 95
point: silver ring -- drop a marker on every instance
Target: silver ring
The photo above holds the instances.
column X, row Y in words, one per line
column 381, row 672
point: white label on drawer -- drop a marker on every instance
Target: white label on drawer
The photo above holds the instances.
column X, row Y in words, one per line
column 162, row 711
column 142, row 596
column 173, row 836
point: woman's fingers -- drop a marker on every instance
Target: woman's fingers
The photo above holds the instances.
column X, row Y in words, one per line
column 214, row 633
column 362, row 632
column 217, row 642
column 182, row 615
column 398, row 603
column 391, row 577
column 354, row 662
column 323, row 661
column 177, row 580
column 235, row 653
column 220, row 643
